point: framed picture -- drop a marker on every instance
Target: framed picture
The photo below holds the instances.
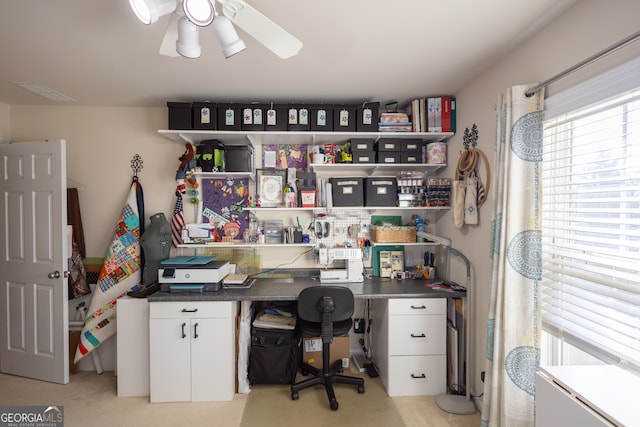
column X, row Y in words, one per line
column 270, row 187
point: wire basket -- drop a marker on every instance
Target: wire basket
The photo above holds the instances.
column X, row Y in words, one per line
column 393, row 234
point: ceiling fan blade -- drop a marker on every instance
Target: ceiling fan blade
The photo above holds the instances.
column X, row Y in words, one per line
column 261, row 28
column 168, row 46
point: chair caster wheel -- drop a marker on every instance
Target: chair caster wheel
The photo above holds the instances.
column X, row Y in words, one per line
column 333, row 404
column 295, row 395
column 360, row 389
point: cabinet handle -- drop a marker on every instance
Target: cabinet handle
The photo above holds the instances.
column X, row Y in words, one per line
column 418, row 376
column 415, row 307
column 183, row 334
column 195, row 331
column 184, row 310
column 418, row 336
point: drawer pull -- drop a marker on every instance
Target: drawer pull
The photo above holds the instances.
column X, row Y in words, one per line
column 415, row 307
column 195, row 331
column 184, row 310
column 418, row 376
column 418, row 336
column 183, row 334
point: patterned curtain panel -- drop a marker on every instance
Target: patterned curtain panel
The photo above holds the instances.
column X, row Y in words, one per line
column 513, row 342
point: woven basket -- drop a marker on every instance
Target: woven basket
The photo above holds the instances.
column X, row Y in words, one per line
column 393, row 234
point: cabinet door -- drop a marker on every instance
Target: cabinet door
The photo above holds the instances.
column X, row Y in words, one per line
column 170, row 362
column 212, row 359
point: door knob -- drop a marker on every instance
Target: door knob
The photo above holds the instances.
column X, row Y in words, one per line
column 54, row 275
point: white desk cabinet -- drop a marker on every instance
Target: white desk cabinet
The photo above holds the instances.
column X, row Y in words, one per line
column 192, row 351
column 410, row 345
column 132, row 346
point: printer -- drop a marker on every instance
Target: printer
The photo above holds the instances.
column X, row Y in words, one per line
column 192, row 274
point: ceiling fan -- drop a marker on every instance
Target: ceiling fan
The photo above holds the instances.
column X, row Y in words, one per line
column 188, row 16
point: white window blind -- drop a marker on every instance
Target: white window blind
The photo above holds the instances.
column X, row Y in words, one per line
column 591, row 227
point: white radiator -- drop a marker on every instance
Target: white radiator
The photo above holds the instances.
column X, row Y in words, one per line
column 587, row 396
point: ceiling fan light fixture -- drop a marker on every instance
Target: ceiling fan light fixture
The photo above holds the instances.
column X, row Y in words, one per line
column 188, row 43
column 227, row 36
column 200, row 12
column 149, row 11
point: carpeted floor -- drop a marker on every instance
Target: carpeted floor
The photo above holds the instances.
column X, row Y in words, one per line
column 271, row 405
column 90, row 400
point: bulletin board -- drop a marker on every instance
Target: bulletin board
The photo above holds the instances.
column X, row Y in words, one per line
column 284, row 156
column 226, row 197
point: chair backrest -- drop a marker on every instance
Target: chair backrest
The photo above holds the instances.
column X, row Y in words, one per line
column 309, row 299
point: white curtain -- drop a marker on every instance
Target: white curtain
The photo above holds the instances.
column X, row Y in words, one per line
column 513, row 334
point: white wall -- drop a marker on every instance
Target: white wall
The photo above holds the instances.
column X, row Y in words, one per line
column 5, row 116
column 583, row 30
column 100, row 145
column 102, row 141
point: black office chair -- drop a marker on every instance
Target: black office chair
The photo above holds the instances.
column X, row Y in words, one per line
column 325, row 311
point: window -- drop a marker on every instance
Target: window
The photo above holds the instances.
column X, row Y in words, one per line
column 591, row 225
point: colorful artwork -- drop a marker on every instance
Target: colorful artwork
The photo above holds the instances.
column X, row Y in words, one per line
column 226, row 197
column 287, row 155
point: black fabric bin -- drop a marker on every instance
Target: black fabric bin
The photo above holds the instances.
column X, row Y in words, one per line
column 274, row 356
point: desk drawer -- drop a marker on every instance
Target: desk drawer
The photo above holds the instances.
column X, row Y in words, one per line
column 417, row 335
column 191, row 309
column 417, row 375
column 417, row 306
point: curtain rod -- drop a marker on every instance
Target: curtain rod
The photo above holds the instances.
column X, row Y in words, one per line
column 579, row 65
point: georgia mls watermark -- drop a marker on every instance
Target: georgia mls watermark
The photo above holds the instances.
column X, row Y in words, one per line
column 31, row 416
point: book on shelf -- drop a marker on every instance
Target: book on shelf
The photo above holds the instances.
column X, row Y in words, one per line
column 437, row 114
column 431, row 111
column 275, row 321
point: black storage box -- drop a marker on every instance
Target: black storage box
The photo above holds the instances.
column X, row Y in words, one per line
column 347, row 191
column 274, row 356
column 238, row 158
column 380, row 191
column 411, row 144
column 204, row 115
column 229, row 116
column 364, row 156
column 276, row 117
column 367, row 117
column 344, row 118
column 254, row 116
column 361, row 144
column 411, row 157
column 388, row 144
column 179, row 115
column 388, row 157
column 298, row 117
column 321, row 117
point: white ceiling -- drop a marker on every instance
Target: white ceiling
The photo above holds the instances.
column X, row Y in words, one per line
column 98, row 53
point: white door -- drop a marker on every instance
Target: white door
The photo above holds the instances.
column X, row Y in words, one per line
column 33, row 261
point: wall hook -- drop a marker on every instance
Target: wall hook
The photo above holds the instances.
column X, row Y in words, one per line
column 136, row 165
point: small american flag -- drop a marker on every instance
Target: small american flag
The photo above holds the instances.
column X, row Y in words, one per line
column 177, row 222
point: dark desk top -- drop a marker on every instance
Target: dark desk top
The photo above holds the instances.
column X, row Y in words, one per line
column 289, row 289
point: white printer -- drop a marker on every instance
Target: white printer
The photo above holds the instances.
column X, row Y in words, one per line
column 192, row 274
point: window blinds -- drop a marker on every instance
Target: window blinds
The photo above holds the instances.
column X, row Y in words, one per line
column 591, row 227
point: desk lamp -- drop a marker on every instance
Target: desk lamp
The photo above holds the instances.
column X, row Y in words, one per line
column 457, row 404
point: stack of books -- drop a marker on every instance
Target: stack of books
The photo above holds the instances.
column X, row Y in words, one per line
column 434, row 114
column 271, row 318
column 394, row 122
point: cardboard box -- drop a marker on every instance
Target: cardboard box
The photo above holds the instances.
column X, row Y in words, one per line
column 321, row 117
column 204, row 115
column 179, row 115
column 347, row 191
column 381, row 191
column 312, row 351
column 229, row 116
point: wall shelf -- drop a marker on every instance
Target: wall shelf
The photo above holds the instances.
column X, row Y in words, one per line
column 292, row 137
